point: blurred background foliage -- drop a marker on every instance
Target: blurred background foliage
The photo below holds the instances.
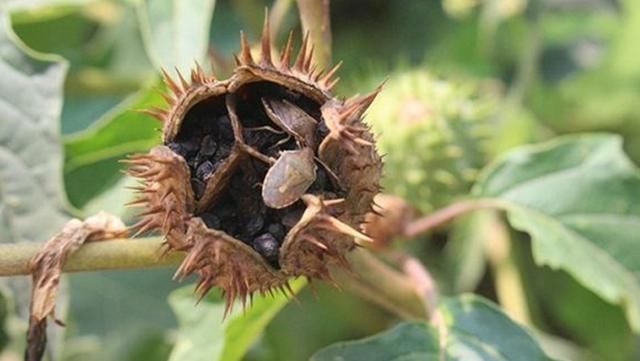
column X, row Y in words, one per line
column 490, row 74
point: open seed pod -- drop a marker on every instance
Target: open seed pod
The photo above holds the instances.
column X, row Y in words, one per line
column 261, row 177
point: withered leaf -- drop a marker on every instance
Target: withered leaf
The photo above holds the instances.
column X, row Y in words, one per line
column 289, row 178
column 46, row 268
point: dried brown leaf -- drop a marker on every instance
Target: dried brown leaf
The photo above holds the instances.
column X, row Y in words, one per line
column 46, row 268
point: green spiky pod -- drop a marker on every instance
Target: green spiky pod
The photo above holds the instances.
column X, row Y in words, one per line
column 434, row 135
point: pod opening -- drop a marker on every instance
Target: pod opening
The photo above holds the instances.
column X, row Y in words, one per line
column 273, row 120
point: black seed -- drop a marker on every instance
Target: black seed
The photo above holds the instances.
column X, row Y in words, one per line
column 190, row 147
column 321, row 182
column 245, row 238
column 210, row 220
column 198, row 187
column 204, row 169
column 292, row 217
column 208, row 147
column 223, row 152
column 277, row 230
column 292, row 95
column 321, row 130
column 193, row 164
column 255, row 224
column 267, row 246
column 177, row 148
column 225, row 131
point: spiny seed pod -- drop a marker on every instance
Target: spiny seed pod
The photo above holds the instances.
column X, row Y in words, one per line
column 433, row 134
column 261, row 177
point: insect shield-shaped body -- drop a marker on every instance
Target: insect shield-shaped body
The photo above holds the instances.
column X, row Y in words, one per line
column 292, row 120
column 289, row 178
column 261, row 177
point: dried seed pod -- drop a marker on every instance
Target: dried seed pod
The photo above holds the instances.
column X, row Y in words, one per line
column 262, row 177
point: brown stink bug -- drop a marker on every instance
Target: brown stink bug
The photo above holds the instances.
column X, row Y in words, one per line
column 289, row 178
column 292, row 119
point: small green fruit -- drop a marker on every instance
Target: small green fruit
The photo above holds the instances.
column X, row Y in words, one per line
column 433, row 133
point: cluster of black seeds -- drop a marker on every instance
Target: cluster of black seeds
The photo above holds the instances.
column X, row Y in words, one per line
column 206, row 139
column 204, row 142
column 243, row 215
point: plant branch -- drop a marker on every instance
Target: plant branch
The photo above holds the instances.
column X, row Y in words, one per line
column 508, row 280
column 315, row 18
column 423, row 282
column 447, row 214
column 93, row 256
column 379, row 283
column 371, row 278
column 278, row 11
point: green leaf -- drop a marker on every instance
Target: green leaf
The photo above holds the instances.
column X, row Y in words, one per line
column 176, row 32
column 464, row 256
column 472, row 329
column 91, row 164
column 32, row 201
column 577, row 310
column 579, row 199
column 4, row 338
column 31, row 190
column 203, row 335
column 127, row 301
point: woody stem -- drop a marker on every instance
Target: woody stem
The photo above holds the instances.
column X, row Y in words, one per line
column 93, row 256
column 379, row 283
column 372, row 279
column 447, row 214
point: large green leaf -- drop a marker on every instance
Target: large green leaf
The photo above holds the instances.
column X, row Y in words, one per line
column 203, row 335
column 472, row 329
column 132, row 309
column 579, row 199
column 32, row 201
column 31, row 190
column 4, row 338
column 577, row 310
column 176, row 32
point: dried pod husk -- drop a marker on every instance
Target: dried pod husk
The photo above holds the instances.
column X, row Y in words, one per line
column 226, row 262
column 168, row 203
column 274, row 173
